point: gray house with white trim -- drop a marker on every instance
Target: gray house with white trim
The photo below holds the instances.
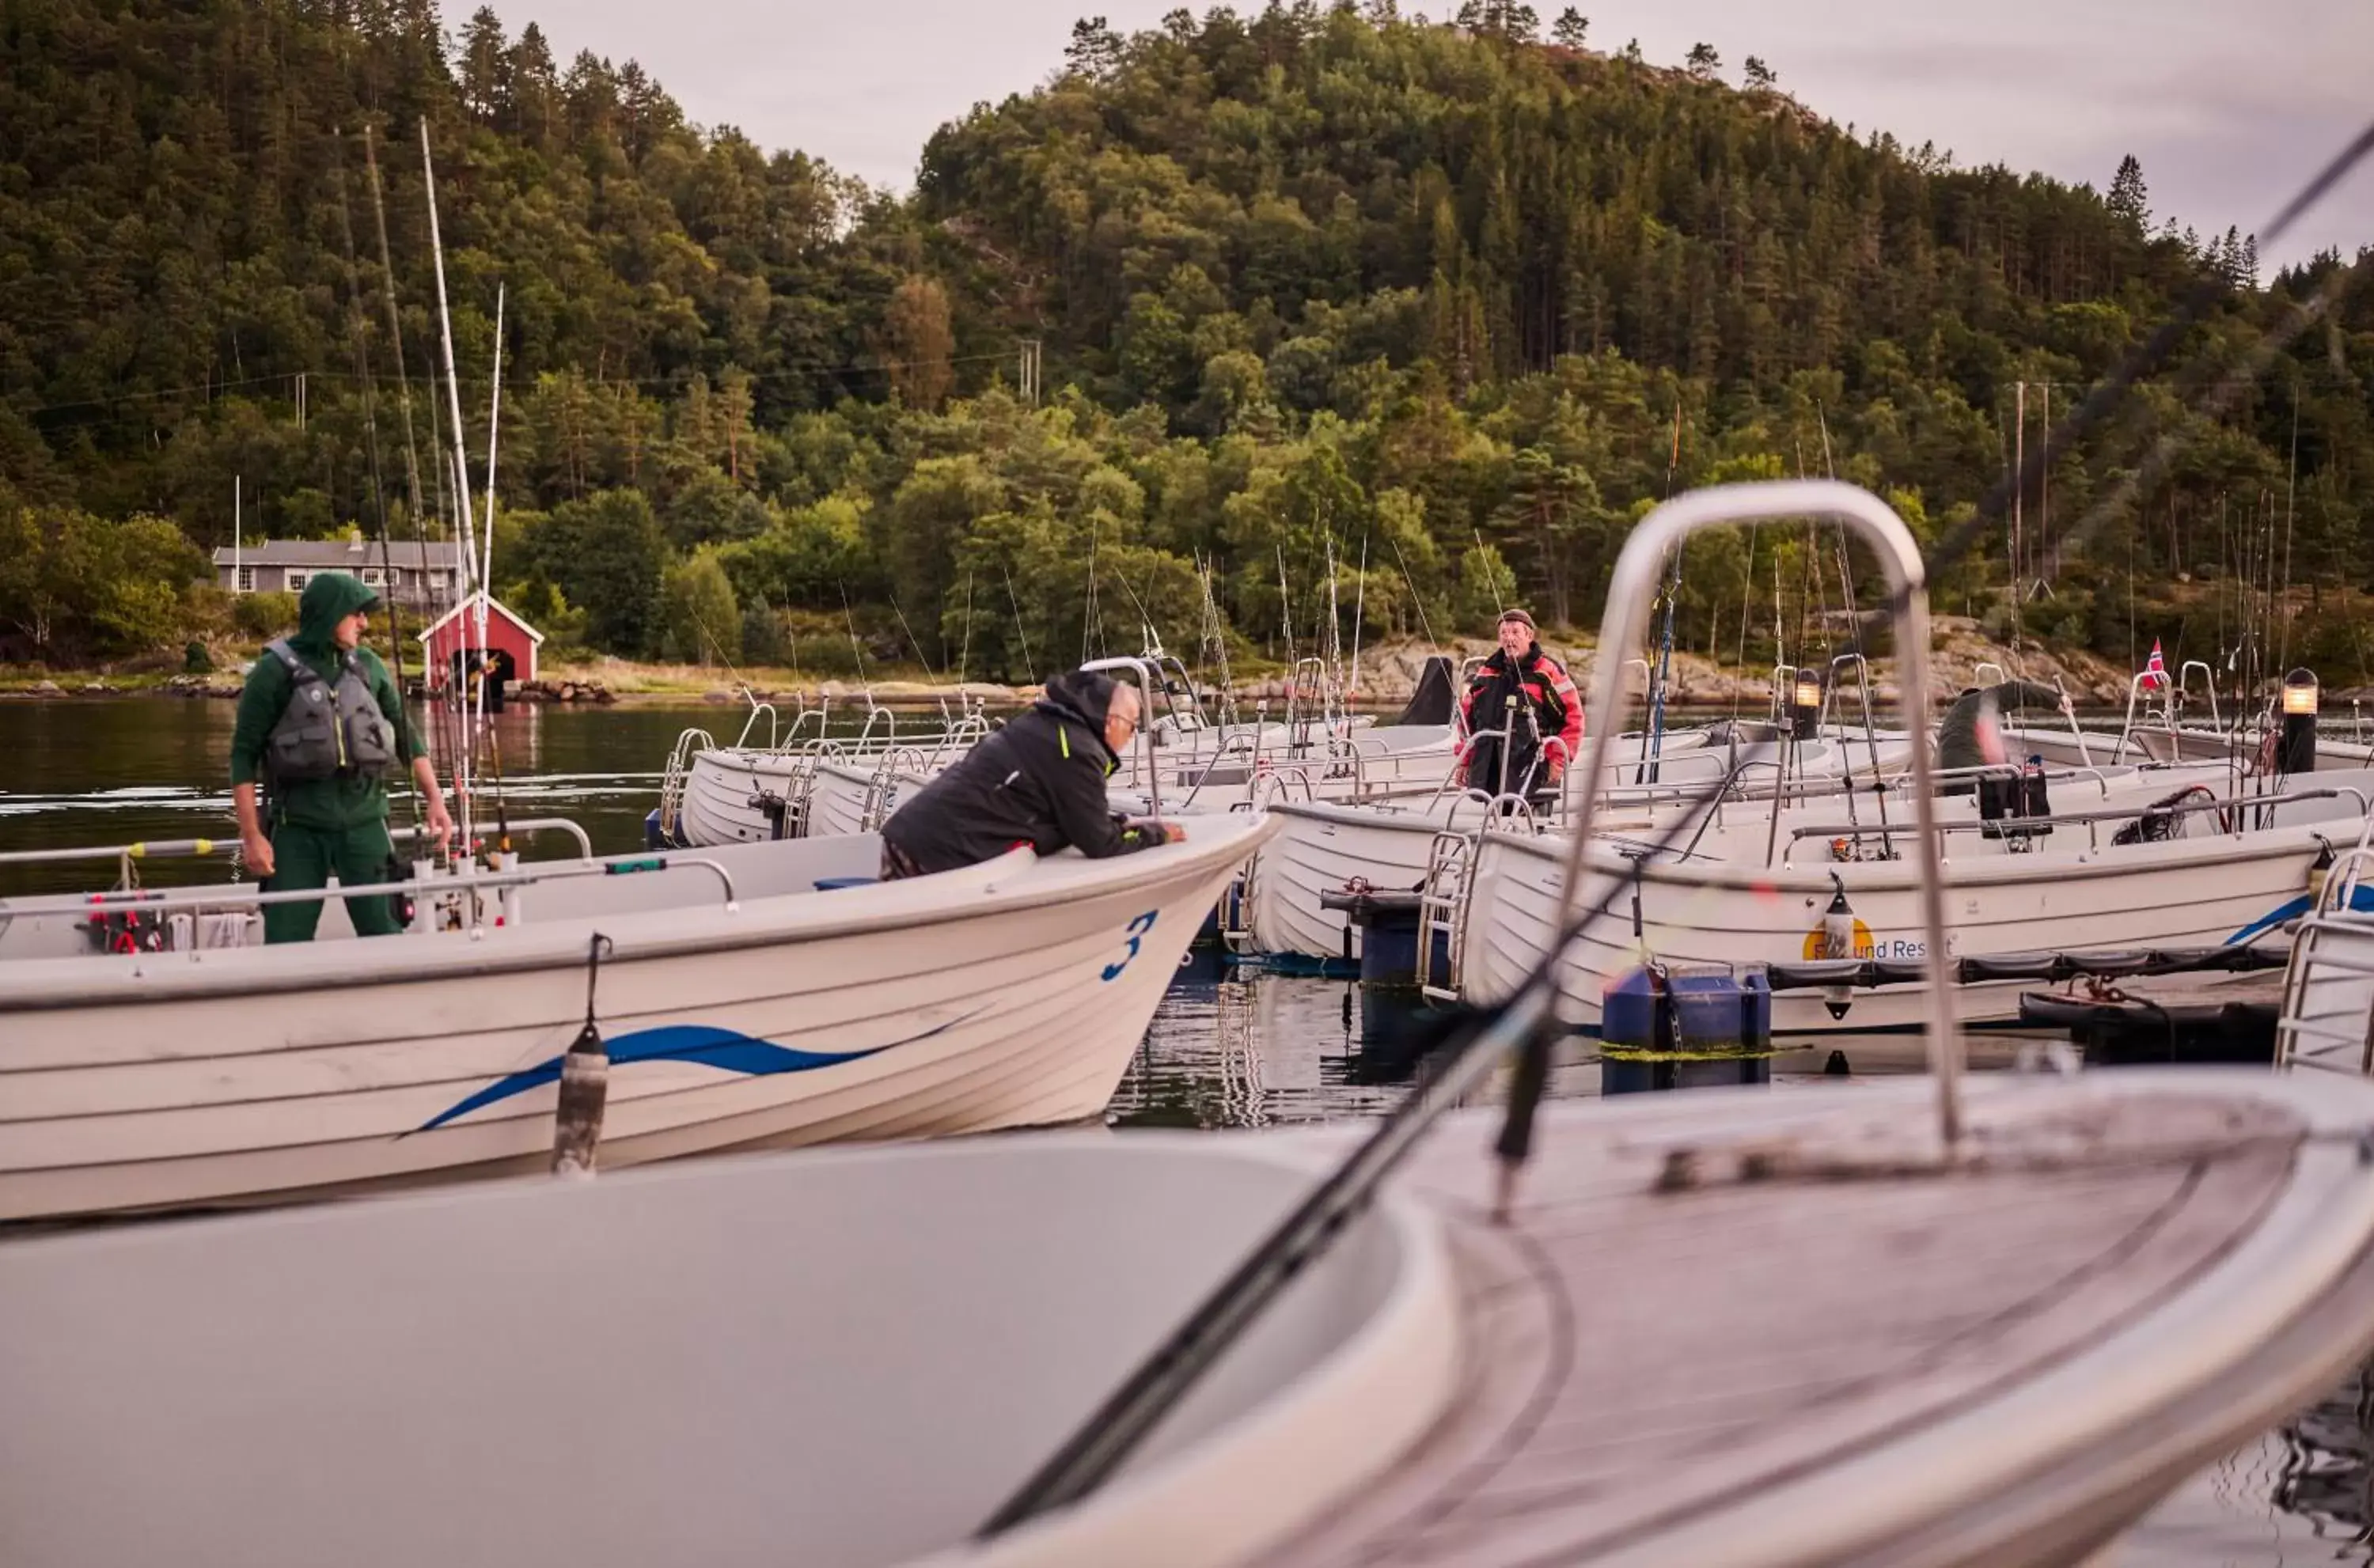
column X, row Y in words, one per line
column 415, row 576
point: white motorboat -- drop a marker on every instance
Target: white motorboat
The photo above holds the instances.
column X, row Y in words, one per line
column 1399, row 845
column 2203, row 890
column 2095, row 1285
column 740, row 1004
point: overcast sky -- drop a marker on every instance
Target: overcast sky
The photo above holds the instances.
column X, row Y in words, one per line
column 2231, row 106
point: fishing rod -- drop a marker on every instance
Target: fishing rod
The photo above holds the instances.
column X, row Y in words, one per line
column 464, row 508
column 485, row 594
column 1417, row 601
column 856, row 649
column 1021, row 633
column 370, row 442
column 1359, row 610
column 442, row 728
column 1862, row 665
column 1654, row 747
column 913, row 641
column 1519, row 1025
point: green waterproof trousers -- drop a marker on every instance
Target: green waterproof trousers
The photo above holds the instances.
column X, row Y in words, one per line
column 306, row 857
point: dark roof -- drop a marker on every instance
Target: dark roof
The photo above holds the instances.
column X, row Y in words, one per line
column 341, row 553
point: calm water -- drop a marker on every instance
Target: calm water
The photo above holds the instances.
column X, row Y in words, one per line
column 1229, row 1047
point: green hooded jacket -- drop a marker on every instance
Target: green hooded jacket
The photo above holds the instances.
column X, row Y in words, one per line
column 329, row 803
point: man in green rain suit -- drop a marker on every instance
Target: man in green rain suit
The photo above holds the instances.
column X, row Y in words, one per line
column 320, row 727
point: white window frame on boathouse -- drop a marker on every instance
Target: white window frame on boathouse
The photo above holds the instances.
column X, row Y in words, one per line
column 243, row 580
column 296, row 578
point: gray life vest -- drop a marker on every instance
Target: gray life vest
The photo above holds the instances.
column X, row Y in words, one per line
column 327, row 731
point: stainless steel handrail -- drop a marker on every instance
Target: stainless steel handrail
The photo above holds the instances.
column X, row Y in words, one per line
column 2081, row 819
column 1633, row 586
column 1146, row 742
column 150, row 901
column 199, row 848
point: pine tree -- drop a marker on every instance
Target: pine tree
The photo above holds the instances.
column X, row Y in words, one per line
column 1704, row 61
column 1569, row 29
column 1759, row 76
column 2128, row 198
column 485, row 66
column 1095, row 49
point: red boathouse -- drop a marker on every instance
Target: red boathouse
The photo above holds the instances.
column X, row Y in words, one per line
column 456, row 633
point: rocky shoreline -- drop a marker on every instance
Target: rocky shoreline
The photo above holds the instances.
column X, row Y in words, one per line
column 1386, row 675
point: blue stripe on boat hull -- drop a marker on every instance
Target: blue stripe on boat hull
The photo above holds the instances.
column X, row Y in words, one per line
column 725, row 1050
column 2360, row 897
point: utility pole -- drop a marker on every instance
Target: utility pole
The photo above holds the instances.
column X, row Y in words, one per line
column 2018, row 500
column 2051, row 559
column 1026, row 370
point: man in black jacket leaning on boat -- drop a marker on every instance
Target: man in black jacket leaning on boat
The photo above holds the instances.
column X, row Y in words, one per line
column 1039, row 780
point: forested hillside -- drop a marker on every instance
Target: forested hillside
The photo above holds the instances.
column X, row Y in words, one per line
column 1460, row 301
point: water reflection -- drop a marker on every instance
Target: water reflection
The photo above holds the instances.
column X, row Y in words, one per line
column 2303, row 1493
column 1240, row 1045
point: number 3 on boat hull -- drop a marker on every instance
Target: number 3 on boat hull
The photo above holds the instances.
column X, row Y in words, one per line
column 1136, row 934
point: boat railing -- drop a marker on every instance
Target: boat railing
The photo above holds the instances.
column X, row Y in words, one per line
column 2092, row 821
column 2209, row 684
column 790, row 736
column 1443, row 896
column 689, row 744
column 1273, row 782
column 155, row 901
column 129, row 858
column 1147, row 736
column 1467, row 669
column 897, row 765
column 1177, row 682
column 1227, row 745
column 1522, row 793
column 1308, row 771
column 757, row 708
column 2330, row 945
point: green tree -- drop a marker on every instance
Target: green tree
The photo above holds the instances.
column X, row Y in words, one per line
column 700, row 618
column 2130, row 200
column 607, row 555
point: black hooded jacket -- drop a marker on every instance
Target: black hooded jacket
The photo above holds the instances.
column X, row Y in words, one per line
column 1040, row 781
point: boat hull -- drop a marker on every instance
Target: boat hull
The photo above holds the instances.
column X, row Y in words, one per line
column 2187, row 893
column 1003, row 995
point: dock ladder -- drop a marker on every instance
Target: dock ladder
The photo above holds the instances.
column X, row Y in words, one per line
column 1442, row 910
column 679, row 767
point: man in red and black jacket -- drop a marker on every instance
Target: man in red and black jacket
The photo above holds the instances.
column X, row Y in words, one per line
column 1528, row 693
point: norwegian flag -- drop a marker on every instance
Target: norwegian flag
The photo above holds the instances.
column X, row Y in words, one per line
column 2155, row 669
